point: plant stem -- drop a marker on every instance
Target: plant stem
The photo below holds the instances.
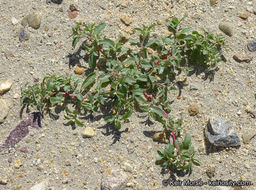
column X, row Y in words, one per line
column 70, row 95
column 164, row 57
column 174, row 140
column 103, row 53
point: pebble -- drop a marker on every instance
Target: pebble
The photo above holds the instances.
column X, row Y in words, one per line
column 73, row 7
column 79, row 21
column 127, row 167
column 241, row 57
column 18, row 187
column 252, row 46
column 33, row 20
column 213, row 2
column 4, row 109
column 18, row 164
column 193, row 87
column 23, row 36
column 220, row 132
column 159, row 22
column 193, row 110
column 243, row 15
column 160, row 137
column 126, row 20
column 210, row 171
column 40, row 186
column 124, row 4
column 79, row 70
column 8, row 54
column 16, row 96
column 88, row 132
column 114, row 179
column 14, row 21
column 3, row 181
column 247, row 136
column 72, row 14
column 5, row 86
column 226, row 28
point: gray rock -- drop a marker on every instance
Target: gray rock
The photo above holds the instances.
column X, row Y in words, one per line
column 252, row 46
column 4, row 109
column 226, row 28
column 40, row 186
column 23, row 36
column 114, row 179
column 219, row 132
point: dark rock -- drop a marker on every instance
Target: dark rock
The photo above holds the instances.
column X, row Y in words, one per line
column 54, row 1
column 219, row 132
column 114, row 179
column 252, row 46
column 73, row 7
column 23, row 36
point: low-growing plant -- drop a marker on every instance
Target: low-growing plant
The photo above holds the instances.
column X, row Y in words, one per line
column 130, row 80
column 178, row 156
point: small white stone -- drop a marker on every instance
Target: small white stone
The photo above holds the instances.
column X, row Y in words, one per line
column 40, row 186
column 5, row 86
column 88, row 132
column 14, row 21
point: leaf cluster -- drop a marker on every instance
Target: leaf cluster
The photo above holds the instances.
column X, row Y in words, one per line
column 182, row 158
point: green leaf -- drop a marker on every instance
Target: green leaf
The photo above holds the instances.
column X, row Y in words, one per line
column 185, row 30
column 196, row 162
column 186, row 142
column 67, row 117
column 129, row 80
column 56, row 100
column 89, row 80
column 107, row 42
column 144, row 108
column 152, row 42
column 152, row 78
column 127, row 114
column 79, row 123
column 92, row 61
column 159, row 158
column 75, row 41
column 79, row 97
column 117, row 125
column 68, row 110
column 157, row 110
column 110, row 118
column 140, row 100
column 99, row 28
